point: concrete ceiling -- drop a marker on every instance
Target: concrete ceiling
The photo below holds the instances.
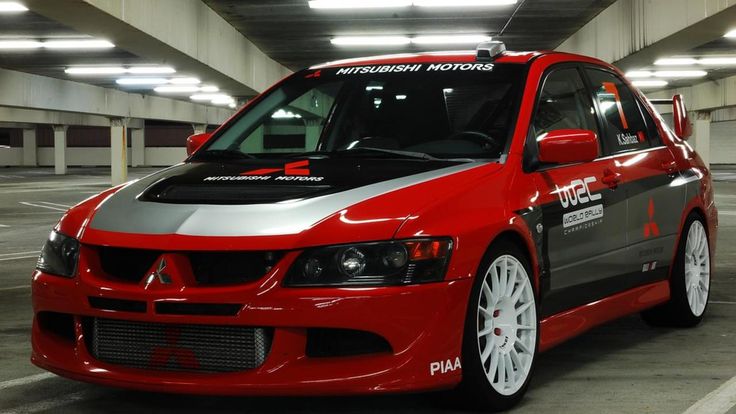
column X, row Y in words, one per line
column 52, row 63
column 297, row 36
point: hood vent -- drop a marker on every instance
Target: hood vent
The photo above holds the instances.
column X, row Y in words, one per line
column 230, row 194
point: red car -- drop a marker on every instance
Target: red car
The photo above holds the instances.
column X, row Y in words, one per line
column 390, row 224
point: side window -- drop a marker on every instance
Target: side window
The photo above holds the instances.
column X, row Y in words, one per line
column 625, row 129
column 563, row 104
column 652, row 131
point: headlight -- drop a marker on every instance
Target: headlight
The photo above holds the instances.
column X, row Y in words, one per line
column 59, row 255
column 372, row 264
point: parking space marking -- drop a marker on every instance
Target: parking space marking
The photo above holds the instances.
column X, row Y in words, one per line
column 18, row 253
column 14, row 288
column 26, row 203
column 26, row 380
column 6, row 259
column 48, row 203
column 48, row 404
column 727, row 212
column 721, row 302
column 4, row 226
column 717, row 402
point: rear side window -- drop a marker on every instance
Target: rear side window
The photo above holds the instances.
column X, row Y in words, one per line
column 563, row 104
column 625, row 129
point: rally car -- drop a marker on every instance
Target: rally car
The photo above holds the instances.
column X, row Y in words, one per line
column 388, row 224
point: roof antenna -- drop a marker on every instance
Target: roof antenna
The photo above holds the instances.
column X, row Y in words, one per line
column 486, row 52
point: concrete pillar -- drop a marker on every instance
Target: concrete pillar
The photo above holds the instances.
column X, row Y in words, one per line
column 137, row 147
column 118, row 151
column 30, row 153
column 199, row 128
column 60, row 149
column 701, row 135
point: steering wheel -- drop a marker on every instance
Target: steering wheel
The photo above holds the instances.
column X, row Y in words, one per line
column 486, row 142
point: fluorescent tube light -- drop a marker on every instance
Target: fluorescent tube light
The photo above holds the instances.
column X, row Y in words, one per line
column 715, row 61
column 205, row 96
column 370, row 41
column 464, row 3
column 177, row 89
column 150, row 70
column 12, row 7
column 358, row 4
column 20, row 44
column 450, row 39
column 649, row 83
column 184, row 81
column 680, row 74
column 77, row 44
column 676, row 62
column 209, row 88
column 639, row 74
column 141, row 81
column 731, row 34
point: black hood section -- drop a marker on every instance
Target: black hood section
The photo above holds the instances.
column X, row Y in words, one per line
column 262, row 181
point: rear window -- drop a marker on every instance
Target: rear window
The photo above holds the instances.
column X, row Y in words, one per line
column 446, row 110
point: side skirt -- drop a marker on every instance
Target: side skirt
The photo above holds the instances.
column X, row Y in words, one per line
column 563, row 326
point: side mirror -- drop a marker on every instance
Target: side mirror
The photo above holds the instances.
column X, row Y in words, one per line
column 194, row 142
column 683, row 127
column 566, row 146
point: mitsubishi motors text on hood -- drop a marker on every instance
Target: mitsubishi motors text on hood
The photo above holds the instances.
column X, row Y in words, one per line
column 393, row 224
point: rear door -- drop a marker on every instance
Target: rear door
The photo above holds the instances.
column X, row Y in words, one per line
column 654, row 189
column 583, row 208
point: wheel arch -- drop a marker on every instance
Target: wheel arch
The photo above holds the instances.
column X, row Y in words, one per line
column 524, row 243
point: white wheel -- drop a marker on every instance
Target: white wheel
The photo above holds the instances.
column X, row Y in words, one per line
column 506, row 325
column 697, row 268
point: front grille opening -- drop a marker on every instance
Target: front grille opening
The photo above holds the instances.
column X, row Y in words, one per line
column 177, row 347
column 202, row 309
column 128, row 265
column 120, row 305
column 322, row 343
column 226, row 268
column 59, row 324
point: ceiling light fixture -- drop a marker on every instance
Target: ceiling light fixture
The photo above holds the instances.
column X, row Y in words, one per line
column 177, row 89
column 184, row 81
column 680, row 73
column 151, row 70
column 730, row 34
column 464, row 3
column 676, row 62
column 715, row 61
column 450, row 39
column 358, row 4
column 370, row 41
column 78, row 44
column 141, row 81
column 635, row 74
column 20, row 44
column 12, row 7
column 649, row 83
column 209, row 88
column 204, row 96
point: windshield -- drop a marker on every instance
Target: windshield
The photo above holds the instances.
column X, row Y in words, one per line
column 437, row 110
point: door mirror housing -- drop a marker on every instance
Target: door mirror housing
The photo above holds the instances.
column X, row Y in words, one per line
column 567, row 146
column 683, row 127
column 194, row 142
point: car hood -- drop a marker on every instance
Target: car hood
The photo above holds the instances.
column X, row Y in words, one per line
column 268, row 197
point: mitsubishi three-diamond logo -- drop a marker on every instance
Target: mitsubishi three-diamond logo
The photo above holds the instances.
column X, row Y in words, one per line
column 159, row 274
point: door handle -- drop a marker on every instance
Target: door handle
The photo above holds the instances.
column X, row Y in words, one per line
column 611, row 179
column 669, row 166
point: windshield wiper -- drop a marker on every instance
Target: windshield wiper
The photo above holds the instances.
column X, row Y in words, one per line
column 230, row 154
column 402, row 154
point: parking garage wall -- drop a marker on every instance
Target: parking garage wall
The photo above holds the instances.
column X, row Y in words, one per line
column 90, row 146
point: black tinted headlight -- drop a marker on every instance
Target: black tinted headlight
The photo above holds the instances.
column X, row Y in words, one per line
column 59, row 255
column 372, row 264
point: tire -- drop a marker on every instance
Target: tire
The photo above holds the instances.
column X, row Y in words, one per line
column 690, row 280
column 501, row 330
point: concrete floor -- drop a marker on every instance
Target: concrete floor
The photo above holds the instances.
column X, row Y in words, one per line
column 623, row 367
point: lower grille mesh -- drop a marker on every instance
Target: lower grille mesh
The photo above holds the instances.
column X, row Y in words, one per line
column 177, row 347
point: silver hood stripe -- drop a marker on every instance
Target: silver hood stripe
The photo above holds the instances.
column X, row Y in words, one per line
column 124, row 213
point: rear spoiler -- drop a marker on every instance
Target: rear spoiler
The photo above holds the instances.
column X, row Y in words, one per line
column 681, row 120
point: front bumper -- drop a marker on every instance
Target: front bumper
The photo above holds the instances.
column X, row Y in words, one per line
column 422, row 323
